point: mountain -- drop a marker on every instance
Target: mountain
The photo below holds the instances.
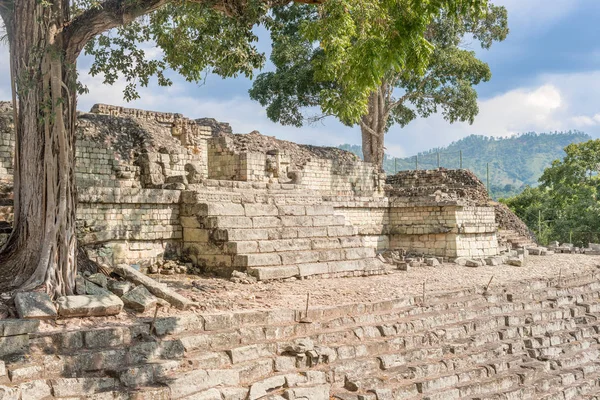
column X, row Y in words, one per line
column 514, row 162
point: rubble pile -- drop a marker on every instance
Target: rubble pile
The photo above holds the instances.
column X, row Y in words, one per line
column 299, row 154
column 441, row 184
column 508, row 220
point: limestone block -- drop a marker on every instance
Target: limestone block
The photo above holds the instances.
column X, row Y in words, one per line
column 266, row 222
column 432, row 262
column 139, row 299
column 24, row 373
column 14, row 327
column 119, row 287
column 34, row 305
column 298, row 257
column 292, row 210
column 34, row 390
column 157, row 289
column 195, row 235
column 93, row 289
column 474, row 263
column 254, row 210
column 75, row 387
column 277, row 272
column 99, row 279
column 89, row 305
column 309, row 269
column 262, row 388
column 257, row 260
column 256, row 370
column 10, row 393
column 320, row 392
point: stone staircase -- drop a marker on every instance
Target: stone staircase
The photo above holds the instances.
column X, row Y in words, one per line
column 536, row 340
column 273, row 241
column 514, row 239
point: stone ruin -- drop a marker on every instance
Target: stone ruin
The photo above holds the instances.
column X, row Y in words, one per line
column 159, row 186
column 156, row 186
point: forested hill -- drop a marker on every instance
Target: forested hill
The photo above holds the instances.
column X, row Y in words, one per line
column 514, row 161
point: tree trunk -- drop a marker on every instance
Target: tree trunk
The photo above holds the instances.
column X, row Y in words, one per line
column 41, row 248
column 373, row 126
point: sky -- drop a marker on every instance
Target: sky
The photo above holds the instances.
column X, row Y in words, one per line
column 545, row 77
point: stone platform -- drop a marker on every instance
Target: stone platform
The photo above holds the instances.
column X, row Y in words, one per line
column 535, row 339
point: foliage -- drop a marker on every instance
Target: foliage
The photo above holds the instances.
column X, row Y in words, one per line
column 431, row 72
column 567, row 199
column 358, row 41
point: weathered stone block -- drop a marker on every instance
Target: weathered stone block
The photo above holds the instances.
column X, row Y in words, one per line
column 34, row 390
column 13, row 327
column 119, row 287
column 139, row 299
column 35, row 305
column 99, row 279
column 75, row 387
column 14, row 344
column 276, row 272
column 89, row 305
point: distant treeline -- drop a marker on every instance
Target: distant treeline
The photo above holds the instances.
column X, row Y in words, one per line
column 514, row 161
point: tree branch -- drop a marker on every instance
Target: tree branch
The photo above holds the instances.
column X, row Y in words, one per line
column 114, row 13
column 110, row 14
column 368, row 128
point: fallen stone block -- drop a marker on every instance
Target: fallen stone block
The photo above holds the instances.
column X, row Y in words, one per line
column 99, row 279
column 516, row 261
column 119, row 287
column 35, row 305
column 89, row 305
column 158, row 289
column 432, row 262
column 139, row 299
column 493, row 261
column 474, row 263
column 402, row 266
column 80, row 284
column 93, row 289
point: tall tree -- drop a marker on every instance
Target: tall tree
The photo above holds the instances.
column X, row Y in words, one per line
column 566, row 205
column 46, row 37
column 446, row 83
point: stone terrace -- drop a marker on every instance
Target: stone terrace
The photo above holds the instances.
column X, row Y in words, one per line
column 524, row 337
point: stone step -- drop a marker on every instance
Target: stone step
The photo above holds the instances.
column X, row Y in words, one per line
column 352, row 267
column 302, row 257
column 281, row 245
column 241, row 234
column 232, row 222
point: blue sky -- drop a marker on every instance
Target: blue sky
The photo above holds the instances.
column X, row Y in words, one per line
column 546, row 77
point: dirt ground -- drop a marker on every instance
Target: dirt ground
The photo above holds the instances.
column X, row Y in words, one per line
column 215, row 295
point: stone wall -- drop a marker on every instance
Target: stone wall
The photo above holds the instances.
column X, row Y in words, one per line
column 441, row 212
column 132, row 166
column 530, row 340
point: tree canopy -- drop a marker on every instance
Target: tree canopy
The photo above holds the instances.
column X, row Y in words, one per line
column 437, row 72
column 565, row 205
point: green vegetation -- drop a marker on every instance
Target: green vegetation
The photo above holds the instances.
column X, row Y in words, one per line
column 515, row 162
column 445, row 83
column 565, row 206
